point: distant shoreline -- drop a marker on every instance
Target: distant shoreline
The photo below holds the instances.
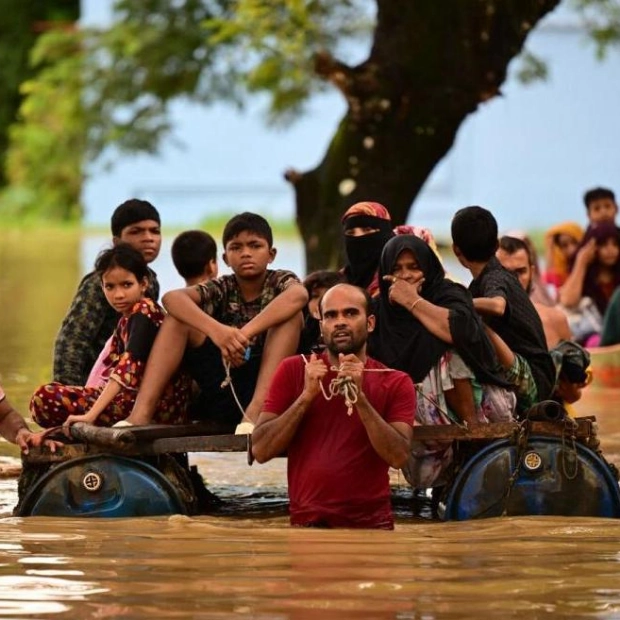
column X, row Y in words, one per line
column 282, row 229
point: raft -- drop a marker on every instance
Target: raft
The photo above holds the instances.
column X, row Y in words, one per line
column 544, row 465
column 122, row 472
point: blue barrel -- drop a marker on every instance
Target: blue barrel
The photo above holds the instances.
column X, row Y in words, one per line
column 547, row 477
column 102, row 485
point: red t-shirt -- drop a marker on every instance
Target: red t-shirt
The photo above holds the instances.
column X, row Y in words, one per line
column 335, row 477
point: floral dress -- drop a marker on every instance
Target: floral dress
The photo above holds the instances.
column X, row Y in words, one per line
column 130, row 346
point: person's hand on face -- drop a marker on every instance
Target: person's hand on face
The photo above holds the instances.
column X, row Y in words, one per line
column 404, row 292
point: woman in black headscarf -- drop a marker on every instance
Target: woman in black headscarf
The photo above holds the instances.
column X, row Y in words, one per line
column 367, row 226
column 427, row 327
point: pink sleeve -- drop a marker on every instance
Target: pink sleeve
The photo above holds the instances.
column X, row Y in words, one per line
column 100, row 371
column 2, row 394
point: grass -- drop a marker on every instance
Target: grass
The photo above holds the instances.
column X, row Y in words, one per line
column 282, row 228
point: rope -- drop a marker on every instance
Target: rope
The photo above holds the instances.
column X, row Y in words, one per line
column 344, row 386
column 570, row 426
column 228, row 383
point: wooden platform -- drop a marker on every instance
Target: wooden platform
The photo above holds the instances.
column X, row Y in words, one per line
column 160, row 439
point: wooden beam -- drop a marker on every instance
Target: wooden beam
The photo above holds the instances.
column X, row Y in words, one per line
column 205, row 443
column 211, row 443
column 149, row 440
column 499, row 430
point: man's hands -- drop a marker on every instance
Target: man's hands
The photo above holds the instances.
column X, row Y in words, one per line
column 352, row 367
column 314, row 373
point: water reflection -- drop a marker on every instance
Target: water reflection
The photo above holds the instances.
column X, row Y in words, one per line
column 207, row 568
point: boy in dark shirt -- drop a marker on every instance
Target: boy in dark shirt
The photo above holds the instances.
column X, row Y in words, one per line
column 504, row 305
column 242, row 324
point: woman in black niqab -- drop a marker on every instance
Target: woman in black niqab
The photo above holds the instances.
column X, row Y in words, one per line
column 363, row 251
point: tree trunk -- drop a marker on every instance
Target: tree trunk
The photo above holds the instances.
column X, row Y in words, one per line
column 431, row 64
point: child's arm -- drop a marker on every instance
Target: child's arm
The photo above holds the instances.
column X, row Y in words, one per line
column 111, row 389
column 490, row 306
column 283, row 307
column 504, row 353
column 182, row 304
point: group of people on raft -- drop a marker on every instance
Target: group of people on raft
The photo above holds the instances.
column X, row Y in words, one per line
column 333, row 371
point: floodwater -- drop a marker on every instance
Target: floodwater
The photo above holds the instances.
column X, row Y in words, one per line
column 247, row 561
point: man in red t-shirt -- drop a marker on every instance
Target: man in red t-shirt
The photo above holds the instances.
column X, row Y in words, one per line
column 338, row 455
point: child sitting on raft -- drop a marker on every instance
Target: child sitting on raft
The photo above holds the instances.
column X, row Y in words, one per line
column 124, row 279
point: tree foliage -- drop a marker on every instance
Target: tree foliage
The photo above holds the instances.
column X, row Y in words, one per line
column 20, row 25
column 46, row 168
column 429, row 65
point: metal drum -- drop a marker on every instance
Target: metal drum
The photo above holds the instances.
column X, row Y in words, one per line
column 548, row 476
column 102, row 485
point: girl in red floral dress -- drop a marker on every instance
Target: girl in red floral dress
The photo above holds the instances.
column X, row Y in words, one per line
column 123, row 273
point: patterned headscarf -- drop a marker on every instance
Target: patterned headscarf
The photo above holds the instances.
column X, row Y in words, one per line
column 422, row 233
column 373, row 209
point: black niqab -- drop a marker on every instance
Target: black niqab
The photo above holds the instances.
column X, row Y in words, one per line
column 363, row 252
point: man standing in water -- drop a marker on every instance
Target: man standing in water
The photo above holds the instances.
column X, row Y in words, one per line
column 343, row 419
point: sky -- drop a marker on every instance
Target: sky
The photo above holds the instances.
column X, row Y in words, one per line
column 528, row 155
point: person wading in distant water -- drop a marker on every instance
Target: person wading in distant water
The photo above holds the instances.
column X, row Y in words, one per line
column 340, row 446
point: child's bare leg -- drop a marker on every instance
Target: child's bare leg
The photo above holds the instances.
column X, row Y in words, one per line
column 281, row 341
column 164, row 360
column 460, row 399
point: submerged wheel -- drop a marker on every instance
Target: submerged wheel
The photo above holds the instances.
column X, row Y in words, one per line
column 102, row 485
column 548, row 477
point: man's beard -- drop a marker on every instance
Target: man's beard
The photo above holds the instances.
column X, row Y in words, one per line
column 353, row 346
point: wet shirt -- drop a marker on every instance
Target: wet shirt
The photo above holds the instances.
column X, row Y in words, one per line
column 335, row 476
column 520, row 327
column 88, row 324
